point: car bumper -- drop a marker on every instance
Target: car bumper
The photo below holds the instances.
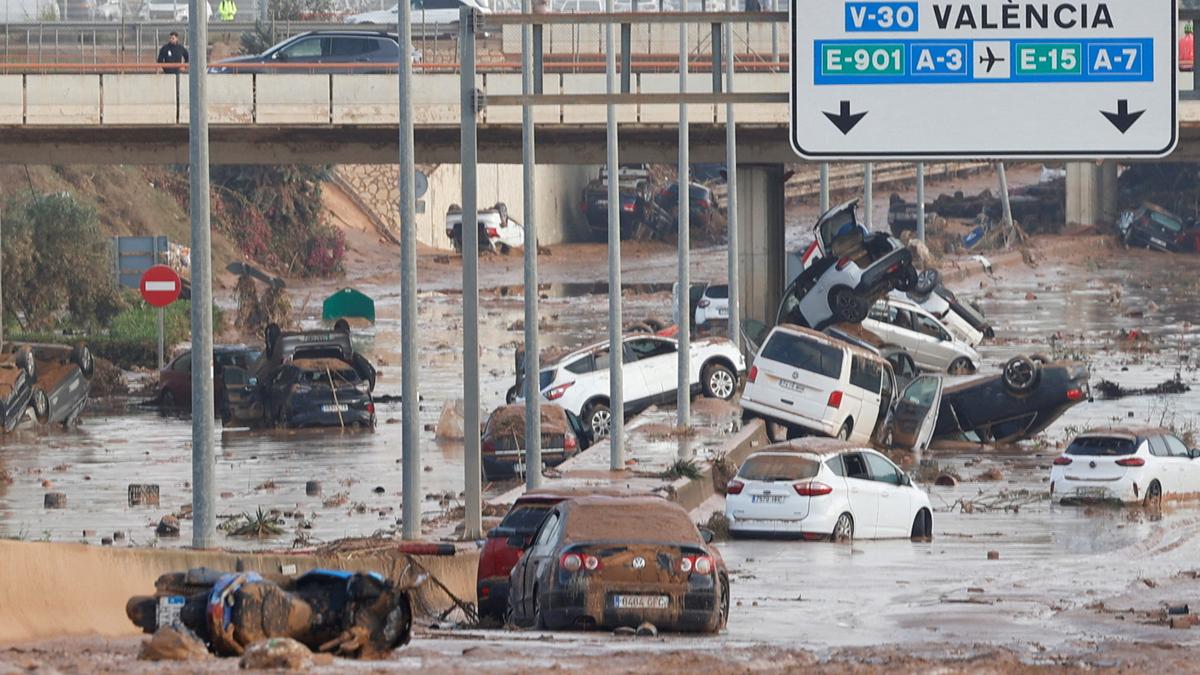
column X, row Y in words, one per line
column 693, row 611
column 813, row 524
column 493, row 597
column 823, row 427
column 319, row 418
column 505, row 466
column 1068, row 491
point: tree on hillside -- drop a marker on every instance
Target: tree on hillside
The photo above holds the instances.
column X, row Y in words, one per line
column 57, row 263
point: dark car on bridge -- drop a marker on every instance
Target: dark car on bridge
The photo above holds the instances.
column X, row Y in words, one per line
column 608, row 562
column 324, row 51
column 63, row 382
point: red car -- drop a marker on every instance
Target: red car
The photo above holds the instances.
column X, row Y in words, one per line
column 175, row 379
column 508, row 541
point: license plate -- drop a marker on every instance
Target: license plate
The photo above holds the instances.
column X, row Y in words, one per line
column 519, row 467
column 1158, row 242
column 1091, row 492
column 335, row 408
column 723, row 312
column 767, row 499
column 789, row 384
column 641, row 601
column 170, row 607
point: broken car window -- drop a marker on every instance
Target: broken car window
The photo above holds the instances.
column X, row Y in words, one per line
column 526, row 518
column 804, row 353
column 1101, row 446
column 856, row 466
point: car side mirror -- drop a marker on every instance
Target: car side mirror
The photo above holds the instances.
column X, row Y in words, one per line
column 279, row 56
column 906, row 480
column 707, row 535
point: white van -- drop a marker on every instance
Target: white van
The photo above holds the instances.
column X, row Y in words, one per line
column 804, row 379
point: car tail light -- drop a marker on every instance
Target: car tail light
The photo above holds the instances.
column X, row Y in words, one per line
column 734, row 487
column 1075, row 394
column 487, row 446
column 557, row 392
column 842, row 262
column 700, row 564
column 753, row 374
column 492, row 232
column 573, row 562
column 704, row 203
column 704, row 302
column 812, row 489
column 569, row 443
column 1062, row 461
column 894, row 268
column 685, row 564
column 628, row 206
column 485, row 592
column 1132, row 461
column 835, row 399
column 371, row 408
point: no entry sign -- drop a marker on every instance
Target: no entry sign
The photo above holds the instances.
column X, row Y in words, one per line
column 918, row 79
column 160, row 286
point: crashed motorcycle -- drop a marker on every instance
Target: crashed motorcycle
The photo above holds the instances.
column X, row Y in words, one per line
column 350, row 614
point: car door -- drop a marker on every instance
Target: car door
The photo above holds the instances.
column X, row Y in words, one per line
column 915, row 413
column 1183, row 467
column 177, row 378
column 308, row 50
column 936, row 349
column 536, row 558
column 864, row 494
column 894, row 508
column 655, row 363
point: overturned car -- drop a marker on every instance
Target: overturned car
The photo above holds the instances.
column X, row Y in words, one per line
column 18, row 373
column 303, row 379
column 62, row 383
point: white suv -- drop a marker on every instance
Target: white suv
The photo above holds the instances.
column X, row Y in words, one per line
column 902, row 322
column 579, row 381
column 497, row 231
column 811, row 383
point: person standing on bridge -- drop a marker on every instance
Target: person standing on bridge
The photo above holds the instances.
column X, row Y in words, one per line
column 172, row 53
column 227, row 10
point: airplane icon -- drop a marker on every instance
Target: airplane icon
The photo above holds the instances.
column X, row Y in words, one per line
column 991, row 59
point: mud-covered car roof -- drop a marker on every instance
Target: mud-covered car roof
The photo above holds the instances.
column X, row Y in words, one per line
column 1131, row 432
column 558, row 494
column 549, row 413
column 832, row 341
column 814, row 445
column 650, row 520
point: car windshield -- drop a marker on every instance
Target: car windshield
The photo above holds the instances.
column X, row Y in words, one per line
column 526, row 518
column 1166, row 221
column 1101, row 446
column 804, row 353
column 778, row 468
column 717, row 292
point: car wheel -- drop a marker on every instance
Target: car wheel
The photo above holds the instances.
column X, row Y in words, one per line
column 843, row 530
column 510, row 396
column 927, row 280
column 598, row 417
column 1154, row 496
column 723, row 619
column 846, row 306
column 922, row 525
column 41, row 406
column 539, row 621
column 961, row 366
column 166, row 399
column 82, row 357
column 843, row 434
column 719, row 382
column 25, row 362
column 505, row 249
column 1021, row 374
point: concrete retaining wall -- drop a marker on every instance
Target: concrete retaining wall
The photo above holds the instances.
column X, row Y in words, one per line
column 57, row 590
column 12, row 109
column 558, row 190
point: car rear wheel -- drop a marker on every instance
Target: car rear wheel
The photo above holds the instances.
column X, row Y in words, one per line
column 843, row 434
column 961, row 366
column 927, row 280
column 539, row 621
column 1021, row 374
column 843, row 530
column 1154, row 496
column 41, row 406
column 723, row 619
column 598, row 418
column 510, row 397
column 922, row 525
column 846, row 306
column 82, row 357
column 25, row 362
column 719, row 382
column 167, row 399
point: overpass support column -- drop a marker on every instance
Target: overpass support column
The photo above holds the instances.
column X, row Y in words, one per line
column 1091, row 193
column 762, row 255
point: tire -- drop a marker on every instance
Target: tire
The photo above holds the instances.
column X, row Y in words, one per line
column 961, row 366
column 723, row 617
column 82, row 357
column 166, row 399
column 655, row 324
column 510, row 396
column 1021, row 374
column 1040, row 358
column 922, row 525
column 539, row 621
column 843, row 529
column 718, row 381
column 26, row 362
column 927, row 280
column 505, row 249
column 843, row 434
column 598, row 417
column 846, row 306
column 41, row 406
column 1153, row 496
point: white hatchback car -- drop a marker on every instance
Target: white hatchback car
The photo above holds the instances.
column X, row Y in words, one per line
column 902, row 322
column 1141, row 465
column 497, row 231
column 713, row 304
column 825, row 489
column 579, row 381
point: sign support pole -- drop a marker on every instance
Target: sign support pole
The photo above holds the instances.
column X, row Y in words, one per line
column 683, row 402
column 921, row 201
column 410, row 439
column 533, row 415
column 472, row 515
column 161, row 337
column 616, row 391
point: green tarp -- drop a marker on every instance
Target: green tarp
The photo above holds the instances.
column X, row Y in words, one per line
column 348, row 303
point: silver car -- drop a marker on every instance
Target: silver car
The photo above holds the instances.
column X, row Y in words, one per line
column 933, row 347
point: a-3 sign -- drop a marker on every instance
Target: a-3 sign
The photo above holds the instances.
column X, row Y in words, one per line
column 921, row 79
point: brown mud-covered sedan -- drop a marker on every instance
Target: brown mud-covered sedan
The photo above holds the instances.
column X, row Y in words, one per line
column 606, row 562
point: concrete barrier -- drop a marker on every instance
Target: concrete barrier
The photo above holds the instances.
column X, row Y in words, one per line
column 292, row 99
column 691, row 493
column 759, row 113
column 140, row 98
column 365, row 99
column 594, row 83
column 230, row 99
column 62, row 99
column 668, row 83
column 436, row 99
column 12, row 99
column 58, row 590
column 509, row 84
